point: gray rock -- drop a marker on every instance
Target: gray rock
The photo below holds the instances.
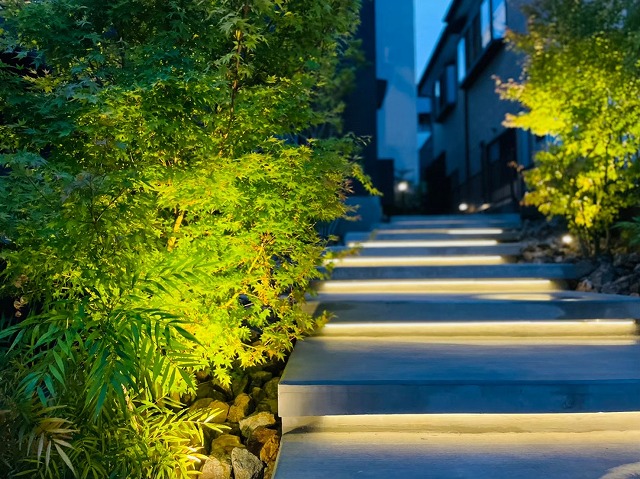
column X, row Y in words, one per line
column 271, row 388
column 246, row 465
column 216, row 468
column 248, row 424
column 241, row 408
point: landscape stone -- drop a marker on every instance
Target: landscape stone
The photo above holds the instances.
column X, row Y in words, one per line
column 250, row 423
column 257, row 394
column 246, row 465
column 271, row 388
column 259, row 378
column 269, row 405
column 224, row 444
column 216, row 467
column 264, row 443
column 239, row 385
column 240, row 409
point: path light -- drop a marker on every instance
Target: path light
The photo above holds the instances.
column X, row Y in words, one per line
column 403, row 186
column 463, row 206
column 567, row 239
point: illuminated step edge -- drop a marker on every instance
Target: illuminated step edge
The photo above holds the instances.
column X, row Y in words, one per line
column 504, row 329
column 382, row 235
column 499, row 249
column 420, row 243
column 623, row 422
column 373, row 261
column 445, row 231
column 404, row 286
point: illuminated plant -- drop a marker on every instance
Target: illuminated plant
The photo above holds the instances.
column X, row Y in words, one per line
column 159, row 215
column 581, row 88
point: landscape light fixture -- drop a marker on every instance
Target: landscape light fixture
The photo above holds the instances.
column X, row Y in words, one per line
column 403, row 186
column 463, row 206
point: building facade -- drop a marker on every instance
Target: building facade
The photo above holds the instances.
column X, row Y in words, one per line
column 470, row 158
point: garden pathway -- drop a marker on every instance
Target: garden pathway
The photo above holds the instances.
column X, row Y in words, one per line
column 447, row 360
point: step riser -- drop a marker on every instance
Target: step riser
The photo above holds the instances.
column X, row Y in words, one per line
column 506, row 331
column 405, row 287
column 382, row 235
column 537, row 271
column 515, row 398
column 469, row 423
column 507, row 249
column 476, row 310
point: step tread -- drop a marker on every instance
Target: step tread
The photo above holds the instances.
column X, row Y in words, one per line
column 415, row 456
column 560, row 305
column 468, row 271
column 325, row 361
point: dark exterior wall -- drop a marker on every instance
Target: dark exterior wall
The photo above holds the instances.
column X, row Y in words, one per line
column 360, row 112
column 473, row 126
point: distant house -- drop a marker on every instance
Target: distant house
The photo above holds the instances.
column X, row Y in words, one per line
column 468, row 159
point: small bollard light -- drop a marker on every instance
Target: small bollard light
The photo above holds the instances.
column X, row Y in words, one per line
column 403, row 186
column 567, row 239
column 463, row 206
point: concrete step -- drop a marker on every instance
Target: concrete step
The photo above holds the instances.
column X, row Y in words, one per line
column 458, row 271
column 377, row 261
column 432, row 235
column 413, row 455
column 511, row 221
column 328, row 376
column 442, row 249
column 497, row 307
column 414, row 287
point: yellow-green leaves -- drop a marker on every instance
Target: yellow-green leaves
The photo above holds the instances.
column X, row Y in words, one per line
column 581, row 87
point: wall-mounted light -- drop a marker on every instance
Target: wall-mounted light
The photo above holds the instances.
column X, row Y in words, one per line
column 463, row 207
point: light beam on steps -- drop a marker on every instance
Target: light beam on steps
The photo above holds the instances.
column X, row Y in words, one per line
column 511, row 285
column 447, row 231
column 419, row 243
column 373, row 261
column 506, row 329
column 470, row 423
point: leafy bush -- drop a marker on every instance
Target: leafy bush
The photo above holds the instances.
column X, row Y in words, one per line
column 580, row 86
column 159, row 212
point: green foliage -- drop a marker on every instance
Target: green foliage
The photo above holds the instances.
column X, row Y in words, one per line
column 167, row 173
column 581, row 86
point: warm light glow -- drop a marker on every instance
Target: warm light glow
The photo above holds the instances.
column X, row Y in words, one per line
column 404, row 286
column 485, row 206
column 403, row 186
column 373, row 261
column 475, row 231
column 420, row 243
column 463, row 206
column 492, row 426
column 534, row 330
column 567, row 239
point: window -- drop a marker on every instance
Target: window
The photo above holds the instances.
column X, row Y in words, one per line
column 489, row 24
column 462, row 60
column 445, row 91
column 485, row 23
column 499, row 18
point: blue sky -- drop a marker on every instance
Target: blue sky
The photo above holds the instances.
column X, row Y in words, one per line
column 428, row 25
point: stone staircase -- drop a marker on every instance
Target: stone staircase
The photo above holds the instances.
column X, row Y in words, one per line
column 447, row 360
